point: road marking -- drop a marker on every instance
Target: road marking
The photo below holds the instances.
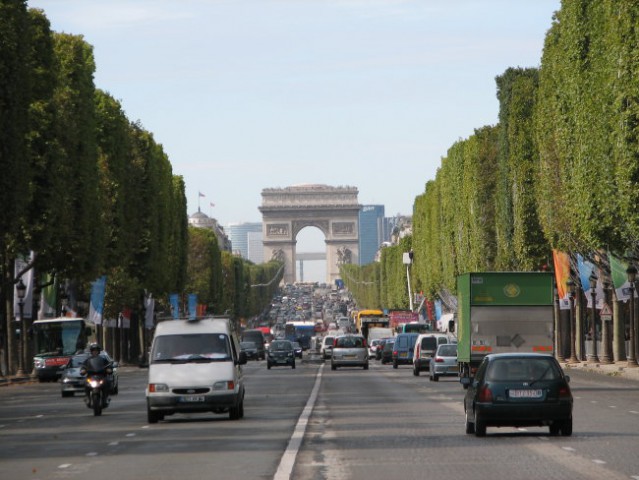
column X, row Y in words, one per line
column 285, row 468
column 613, row 406
column 632, row 411
column 130, row 434
column 92, row 454
column 64, row 465
column 569, row 449
column 599, row 462
column 114, row 444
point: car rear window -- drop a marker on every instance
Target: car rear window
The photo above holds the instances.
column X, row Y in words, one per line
column 522, row 369
column 449, row 350
column 350, row 342
column 429, row 343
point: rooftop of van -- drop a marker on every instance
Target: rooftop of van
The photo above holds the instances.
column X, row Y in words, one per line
column 204, row 325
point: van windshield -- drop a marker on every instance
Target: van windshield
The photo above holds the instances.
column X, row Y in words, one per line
column 191, row 348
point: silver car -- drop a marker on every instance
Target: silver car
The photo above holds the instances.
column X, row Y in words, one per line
column 349, row 351
column 444, row 362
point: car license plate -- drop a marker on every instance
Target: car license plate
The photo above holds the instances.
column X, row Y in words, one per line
column 525, row 393
column 403, row 354
column 350, row 356
column 192, row 399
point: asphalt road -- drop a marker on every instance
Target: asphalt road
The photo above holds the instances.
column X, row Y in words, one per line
column 376, row 424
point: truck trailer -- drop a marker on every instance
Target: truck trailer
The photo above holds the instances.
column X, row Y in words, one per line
column 503, row 312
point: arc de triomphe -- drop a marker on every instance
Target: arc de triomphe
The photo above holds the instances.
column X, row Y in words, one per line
column 334, row 210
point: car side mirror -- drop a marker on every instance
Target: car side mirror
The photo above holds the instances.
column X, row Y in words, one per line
column 465, row 381
column 567, row 377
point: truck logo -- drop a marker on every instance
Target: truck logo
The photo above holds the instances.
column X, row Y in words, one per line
column 512, row 290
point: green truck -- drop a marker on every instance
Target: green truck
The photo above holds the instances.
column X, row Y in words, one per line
column 503, row 312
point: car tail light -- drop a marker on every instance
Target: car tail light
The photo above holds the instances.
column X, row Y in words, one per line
column 439, row 360
column 365, row 344
column 419, row 351
column 485, row 395
column 564, row 392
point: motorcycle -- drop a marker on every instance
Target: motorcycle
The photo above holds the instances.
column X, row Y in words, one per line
column 96, row 396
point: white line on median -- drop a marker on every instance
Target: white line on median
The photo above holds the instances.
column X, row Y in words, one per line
column 285, row 468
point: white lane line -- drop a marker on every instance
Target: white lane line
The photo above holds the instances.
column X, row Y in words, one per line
column 92, row 454
column 612, row 406
column 130, row 434
column 64, row 465
column 599, row 462
column 114, row 444
column 633, row 411
column 569, row 449
column 285, row 468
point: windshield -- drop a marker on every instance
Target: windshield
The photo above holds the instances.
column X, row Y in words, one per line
column 65, row 337
column 191, row 347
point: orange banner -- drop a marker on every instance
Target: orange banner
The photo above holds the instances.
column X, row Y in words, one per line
column 561, row 261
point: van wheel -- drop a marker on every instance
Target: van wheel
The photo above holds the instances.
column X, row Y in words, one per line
column 416, row 370
column 333, row 367
column 153, row 417
column 234, row 412
column 366, row 366
column 394, row 363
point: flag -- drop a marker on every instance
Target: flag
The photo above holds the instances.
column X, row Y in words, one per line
column 619, row 277
column 561, row 261
column 27, row 278
column 96, row 308
column 149, row 305
column 192, row 306
column 201, row 194
column 586, row 269
column 175, row 305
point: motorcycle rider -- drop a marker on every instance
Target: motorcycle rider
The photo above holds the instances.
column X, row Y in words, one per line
column 97, row 364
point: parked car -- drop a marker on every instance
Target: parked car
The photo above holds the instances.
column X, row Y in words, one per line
column 387, row 351
column 250, row 348
column 518, row 390
column 425, row 348
column 349, row 351
column 280, row 353
column 327, row 346
column 403, row 348
column 297, row 348
column 444, row 362
column 72, row 381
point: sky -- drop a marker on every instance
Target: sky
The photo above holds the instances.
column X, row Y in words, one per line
column 251, row 94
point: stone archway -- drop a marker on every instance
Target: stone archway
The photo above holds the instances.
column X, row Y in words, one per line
column 333, row 210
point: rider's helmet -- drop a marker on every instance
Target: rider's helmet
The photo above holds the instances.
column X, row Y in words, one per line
column 95, row 346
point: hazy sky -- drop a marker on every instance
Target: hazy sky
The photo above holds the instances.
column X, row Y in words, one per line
column 252, row 94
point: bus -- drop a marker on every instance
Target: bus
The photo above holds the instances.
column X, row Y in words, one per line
column 56, row 340
column 300, row 332
column 413, row 327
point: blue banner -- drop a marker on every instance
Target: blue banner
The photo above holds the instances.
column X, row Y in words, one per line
column 438, row 309
column 98, row 289
column 175, row 305
column 192, row 306
column 585, row 269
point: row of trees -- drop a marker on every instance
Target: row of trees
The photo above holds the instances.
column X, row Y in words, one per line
column 559, row 171
column 86, row 192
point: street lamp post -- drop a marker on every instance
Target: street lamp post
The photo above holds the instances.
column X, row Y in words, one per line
column 631, row 271
column 559, row 344
column 605, row 330
column 593, row 358
column 573, row 327
column 21, row 290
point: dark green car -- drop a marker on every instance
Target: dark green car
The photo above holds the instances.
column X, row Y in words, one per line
column 280, row 353
column 518, row 390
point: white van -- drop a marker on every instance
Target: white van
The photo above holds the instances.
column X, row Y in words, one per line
column 195, row 366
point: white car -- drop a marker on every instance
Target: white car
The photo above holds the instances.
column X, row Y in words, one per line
column 372, row 348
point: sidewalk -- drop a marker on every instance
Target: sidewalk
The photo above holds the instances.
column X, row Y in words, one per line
column 617, row 369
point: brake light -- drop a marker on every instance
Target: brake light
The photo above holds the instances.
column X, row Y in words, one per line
column 365, row 345
column 564, row 392
column 419, row 351
column 439, row 360
column 485, row 395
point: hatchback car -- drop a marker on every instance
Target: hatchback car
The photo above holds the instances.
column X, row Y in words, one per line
column 72, row 381
column 518, row 390
column 349, row 351
column 280, row 353
column 444, row 362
